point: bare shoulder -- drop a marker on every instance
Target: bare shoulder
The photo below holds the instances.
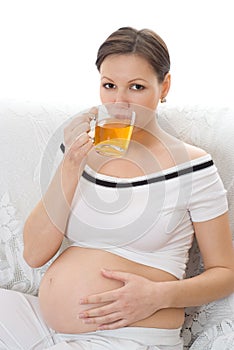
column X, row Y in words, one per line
column 194, row 151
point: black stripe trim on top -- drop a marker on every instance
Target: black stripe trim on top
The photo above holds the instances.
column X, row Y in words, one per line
column 147, row 181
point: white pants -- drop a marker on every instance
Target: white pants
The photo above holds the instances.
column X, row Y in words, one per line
column 22, row 328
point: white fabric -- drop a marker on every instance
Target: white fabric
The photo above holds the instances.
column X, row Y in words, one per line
column 211, row 129
column 125, row 221
column 26, row 330
column 218, row 337
column 26, row 127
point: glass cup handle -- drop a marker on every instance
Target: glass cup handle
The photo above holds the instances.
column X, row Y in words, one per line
column 93, row 120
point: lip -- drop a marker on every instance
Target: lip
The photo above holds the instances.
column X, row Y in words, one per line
column 120, row 110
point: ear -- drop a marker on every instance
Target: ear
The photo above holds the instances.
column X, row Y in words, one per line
column 166, row 85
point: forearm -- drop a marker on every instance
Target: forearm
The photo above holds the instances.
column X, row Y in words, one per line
column 45, row 227
column 56, row 203
column 217, row 281
column 213, row 284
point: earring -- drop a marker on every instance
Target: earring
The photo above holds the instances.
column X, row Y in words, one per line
column 163, row 100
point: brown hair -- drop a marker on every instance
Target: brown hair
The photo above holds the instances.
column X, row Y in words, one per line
column 144, row 43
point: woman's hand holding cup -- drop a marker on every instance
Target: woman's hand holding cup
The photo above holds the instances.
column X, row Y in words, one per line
column 107, row 128
column 77, row 141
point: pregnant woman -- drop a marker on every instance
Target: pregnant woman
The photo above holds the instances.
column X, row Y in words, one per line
column 131, row 222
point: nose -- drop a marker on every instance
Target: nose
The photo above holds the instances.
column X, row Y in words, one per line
column 121, row 96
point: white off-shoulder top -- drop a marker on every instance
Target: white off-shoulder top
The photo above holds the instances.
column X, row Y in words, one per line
column 147, row 219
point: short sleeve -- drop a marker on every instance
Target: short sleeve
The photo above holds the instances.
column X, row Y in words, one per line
column 208, row 197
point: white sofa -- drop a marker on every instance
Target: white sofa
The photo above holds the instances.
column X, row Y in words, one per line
column 30, row 135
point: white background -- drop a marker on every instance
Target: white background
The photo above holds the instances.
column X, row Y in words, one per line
column 48, row 47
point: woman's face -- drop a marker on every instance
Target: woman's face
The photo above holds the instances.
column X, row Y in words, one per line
column 131, row 79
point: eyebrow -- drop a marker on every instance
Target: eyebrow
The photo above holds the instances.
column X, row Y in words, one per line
column 104, row 77
column 130, row 81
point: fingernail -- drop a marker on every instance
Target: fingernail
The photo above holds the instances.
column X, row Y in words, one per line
column 92, row 116
column 105, row 270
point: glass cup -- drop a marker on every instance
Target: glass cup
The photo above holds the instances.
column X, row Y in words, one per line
column 112, row 127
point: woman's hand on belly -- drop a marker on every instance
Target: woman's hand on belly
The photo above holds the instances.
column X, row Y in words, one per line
column 138, row 299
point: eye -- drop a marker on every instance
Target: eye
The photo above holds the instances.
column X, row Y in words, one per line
column 109, row 86
column 137, row 87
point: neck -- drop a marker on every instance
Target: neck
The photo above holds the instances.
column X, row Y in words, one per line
column 149, row 135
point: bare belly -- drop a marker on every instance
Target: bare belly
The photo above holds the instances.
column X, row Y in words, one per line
column 76, row 273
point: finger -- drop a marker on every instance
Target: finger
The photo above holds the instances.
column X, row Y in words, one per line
column 82, row 127
column 77, row 120
column 84, row 150
column 93, row 112
column 104, row 320
column 80, row 141
column 71, row 136
column 100, row 311
column 79, row 129
column 116, row 275
column 76, row 127
column 118, row 324
column 105, row 297
column 80, row 152
column 76, row 143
